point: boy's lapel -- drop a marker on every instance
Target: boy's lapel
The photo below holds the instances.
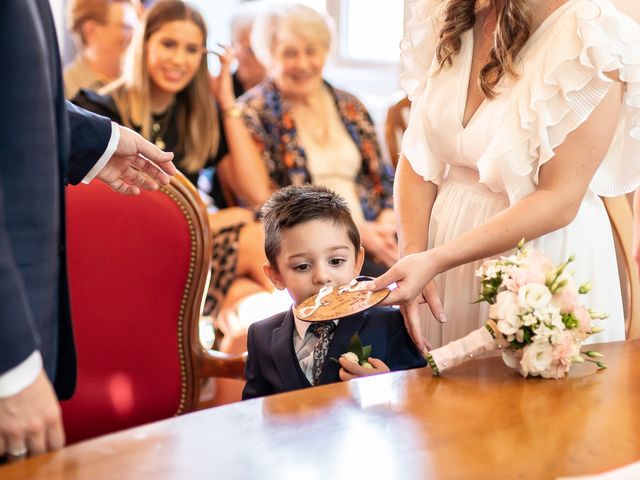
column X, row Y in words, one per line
column 340, row 344
column 284, row 356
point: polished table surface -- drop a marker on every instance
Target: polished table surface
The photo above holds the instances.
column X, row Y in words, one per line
column 480, row 420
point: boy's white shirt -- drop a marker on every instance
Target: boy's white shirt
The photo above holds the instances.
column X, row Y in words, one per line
column 303, row 346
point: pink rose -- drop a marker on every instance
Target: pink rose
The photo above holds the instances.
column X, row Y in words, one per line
column 523, row 276
column 564, row 348
column 584, row 318
column 537, row 261
column 566, row 300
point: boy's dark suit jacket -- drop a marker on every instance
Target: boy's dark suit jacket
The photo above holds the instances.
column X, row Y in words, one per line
column 45, row 142
column 272, row 366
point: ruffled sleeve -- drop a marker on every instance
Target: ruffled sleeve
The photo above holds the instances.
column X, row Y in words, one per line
column 417, row 51
column 563, row 81
column 417, row 48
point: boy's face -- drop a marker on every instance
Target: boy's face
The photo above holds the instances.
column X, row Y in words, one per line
column 314, row 254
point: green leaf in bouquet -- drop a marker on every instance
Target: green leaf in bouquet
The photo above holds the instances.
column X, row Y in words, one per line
column 489, row 290
column 355, row 346
column 366, row 353
column 527, row 335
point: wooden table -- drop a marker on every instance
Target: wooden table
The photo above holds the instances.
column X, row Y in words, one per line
column 479, row 421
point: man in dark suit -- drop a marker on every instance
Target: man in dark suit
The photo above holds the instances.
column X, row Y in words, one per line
column 46, row 142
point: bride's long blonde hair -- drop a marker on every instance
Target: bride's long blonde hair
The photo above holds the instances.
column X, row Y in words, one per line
column 512, row 32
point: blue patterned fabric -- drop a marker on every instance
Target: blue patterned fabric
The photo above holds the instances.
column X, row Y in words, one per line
column 272, row 127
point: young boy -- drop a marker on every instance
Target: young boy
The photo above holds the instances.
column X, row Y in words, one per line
column 311, row 241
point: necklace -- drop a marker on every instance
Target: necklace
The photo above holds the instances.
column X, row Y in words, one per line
column 160, row 126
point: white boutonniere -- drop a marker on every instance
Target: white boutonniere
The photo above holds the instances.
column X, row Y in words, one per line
column 357, row 353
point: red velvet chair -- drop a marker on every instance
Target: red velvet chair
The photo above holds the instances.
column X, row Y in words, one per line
column 138, row 271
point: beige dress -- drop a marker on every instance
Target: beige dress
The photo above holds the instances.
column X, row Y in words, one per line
column 79, row 74
column 494, row 161
column 335, row 162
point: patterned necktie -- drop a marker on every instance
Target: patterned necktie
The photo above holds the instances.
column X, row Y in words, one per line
column 324, row 332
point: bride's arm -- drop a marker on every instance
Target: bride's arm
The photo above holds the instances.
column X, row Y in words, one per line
column 413, row 199
column 563, row 182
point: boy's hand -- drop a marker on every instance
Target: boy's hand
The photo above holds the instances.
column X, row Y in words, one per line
column 351, row 370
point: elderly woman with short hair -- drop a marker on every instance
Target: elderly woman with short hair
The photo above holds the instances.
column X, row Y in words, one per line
column 311, row 132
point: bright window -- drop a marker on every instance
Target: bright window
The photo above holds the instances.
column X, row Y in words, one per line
column 319, row 5
column 370, row 30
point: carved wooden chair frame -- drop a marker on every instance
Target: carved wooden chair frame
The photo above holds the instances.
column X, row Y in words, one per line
column 197, row 362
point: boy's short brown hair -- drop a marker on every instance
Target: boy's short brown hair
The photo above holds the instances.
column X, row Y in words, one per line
column 293, row 205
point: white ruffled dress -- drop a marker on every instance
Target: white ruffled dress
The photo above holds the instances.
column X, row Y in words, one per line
column 494, row 161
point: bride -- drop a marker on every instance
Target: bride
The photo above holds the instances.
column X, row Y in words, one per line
column 523, row 113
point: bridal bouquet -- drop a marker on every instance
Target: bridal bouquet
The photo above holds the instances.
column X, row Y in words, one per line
column 535, row 317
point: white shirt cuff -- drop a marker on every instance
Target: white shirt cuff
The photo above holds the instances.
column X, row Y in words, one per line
column 20, row 377
column 106, row 156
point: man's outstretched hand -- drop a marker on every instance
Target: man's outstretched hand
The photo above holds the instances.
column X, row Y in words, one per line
column 137, row 164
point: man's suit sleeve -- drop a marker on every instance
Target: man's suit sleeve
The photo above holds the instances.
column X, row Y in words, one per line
column 254, row 387
column 18, row 335
column 90, row 135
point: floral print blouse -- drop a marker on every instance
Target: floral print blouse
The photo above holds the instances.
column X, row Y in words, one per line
column 272, row 126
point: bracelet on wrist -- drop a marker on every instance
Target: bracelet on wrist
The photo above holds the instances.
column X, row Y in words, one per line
column 232, row 112
column 432, row 363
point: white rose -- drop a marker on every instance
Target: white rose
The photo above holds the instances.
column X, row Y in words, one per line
column 511, row 323
column 536, row 358
column 529, row 319
column 492, row 272
column 534, row 295
column 542, row 330
column 510, row 320
column 556, row 319
column 504, row 301
column 510, row 358
column 367, row 365
column 352, row 357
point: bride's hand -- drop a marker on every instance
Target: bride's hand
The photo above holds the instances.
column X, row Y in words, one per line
column 411, row 315
column 411, row 274
column 432, row 298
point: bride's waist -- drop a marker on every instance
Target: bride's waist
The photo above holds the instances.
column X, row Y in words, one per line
column 469, row 179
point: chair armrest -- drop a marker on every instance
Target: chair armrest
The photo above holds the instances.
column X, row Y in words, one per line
column 213, row 363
